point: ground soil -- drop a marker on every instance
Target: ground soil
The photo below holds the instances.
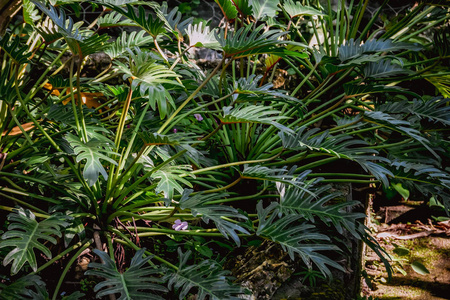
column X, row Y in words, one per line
column 428, row 244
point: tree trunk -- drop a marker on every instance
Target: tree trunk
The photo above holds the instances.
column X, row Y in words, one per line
column 8, row 8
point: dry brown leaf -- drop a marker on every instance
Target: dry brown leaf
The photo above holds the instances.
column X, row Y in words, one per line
column 16, row 130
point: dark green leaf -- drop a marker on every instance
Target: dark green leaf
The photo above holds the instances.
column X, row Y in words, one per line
column 296, row 201
column 401, row 251
column 419, row 268
column 22, row 288
column 134, row 283
column 16, row 51
column 204, row 250
column 153, row 26
column 198, row 206
column 341, row 146
column 384, row 69
column 352, row 89
column 296, row 238
column 207, row 276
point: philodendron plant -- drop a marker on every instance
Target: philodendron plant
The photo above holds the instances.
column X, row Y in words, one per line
column 159, row 166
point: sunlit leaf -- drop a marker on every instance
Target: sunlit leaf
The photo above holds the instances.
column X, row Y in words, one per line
column 25, row 234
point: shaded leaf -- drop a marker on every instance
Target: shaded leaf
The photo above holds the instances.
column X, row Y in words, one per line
column 282, row 175
column 249, row 89
column 399, row 125
column 401, row 251
column 207, row 278
column 134, row 283
column 352, row 49
column 14, row 49
column 435, row 110
column 153, row 26
column 244, row 7
column 352, row 89
column 296, row 238
column 383, row 69
column 316, row 205
column 419, row 268
column 341, row 146
column 173, row 19
column 22, row 288
column 198, row 206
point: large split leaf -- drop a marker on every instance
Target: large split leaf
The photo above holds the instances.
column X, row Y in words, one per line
column 436, row 110
column 171, row 178
column 198, row 206
column 92, row 152
column 425, row 172
column 295, row 9
column 27, row 287
column 207, row 278
column 127, row 41
column 282, row 175
column 296, row 201
column 252, row 114
column 150, row 76
column 353, row 49
column 113, row 19
column 173, row 19
column 399, row 125
column 249, row 89
column 65, row 24
column 14, row 49
column 296, row 238
column 248, row 41
column 384, row 69
column 25, row 234
column 153, row 26
column 134, row 283
column 351, row 89
column 265, row 8
column 341, row 146
column 200, row 35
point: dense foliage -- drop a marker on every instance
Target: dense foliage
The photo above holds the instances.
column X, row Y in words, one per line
column 157, row 162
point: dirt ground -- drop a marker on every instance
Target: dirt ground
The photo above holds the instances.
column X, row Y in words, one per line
column 411, row 246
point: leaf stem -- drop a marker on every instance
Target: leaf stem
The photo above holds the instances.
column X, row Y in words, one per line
column 66, row 269
column 134, row 246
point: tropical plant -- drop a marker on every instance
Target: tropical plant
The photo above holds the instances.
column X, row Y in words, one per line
column 156, row 155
